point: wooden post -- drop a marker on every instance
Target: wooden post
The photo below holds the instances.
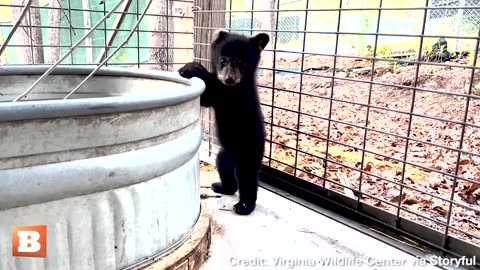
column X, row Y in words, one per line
column 201, row 54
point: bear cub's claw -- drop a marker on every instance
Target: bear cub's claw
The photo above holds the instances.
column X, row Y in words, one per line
column 218, row 188
column 243, row 209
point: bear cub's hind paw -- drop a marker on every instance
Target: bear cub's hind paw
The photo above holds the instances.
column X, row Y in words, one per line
column 219, row 188
column 244, row 209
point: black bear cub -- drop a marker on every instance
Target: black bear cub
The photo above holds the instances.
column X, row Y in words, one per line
column 231, row 90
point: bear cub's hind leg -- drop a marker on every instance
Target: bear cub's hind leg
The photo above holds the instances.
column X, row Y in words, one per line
column 226, row 165
column 247, row 175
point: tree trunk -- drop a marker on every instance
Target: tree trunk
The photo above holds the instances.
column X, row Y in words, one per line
column 53, row 40
column 162, row 53
column 28, row 36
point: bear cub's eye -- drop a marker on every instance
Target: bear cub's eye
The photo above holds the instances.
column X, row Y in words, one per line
column 223, row 60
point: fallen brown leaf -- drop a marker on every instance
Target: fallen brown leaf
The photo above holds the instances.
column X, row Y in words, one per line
column 472, row 189
column 410, row 201
column 441, row 210
column 332, row 166
column 396, row 199
column 289, row 170
column 369, row 167
column 464, row 162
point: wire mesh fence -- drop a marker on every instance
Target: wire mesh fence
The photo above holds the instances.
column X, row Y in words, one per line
column 371, row 105
column 163, row 36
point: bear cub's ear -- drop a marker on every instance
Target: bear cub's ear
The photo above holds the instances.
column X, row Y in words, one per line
column 260, row 40
column 219, row 35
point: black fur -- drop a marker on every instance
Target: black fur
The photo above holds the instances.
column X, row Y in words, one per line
column 231, row 90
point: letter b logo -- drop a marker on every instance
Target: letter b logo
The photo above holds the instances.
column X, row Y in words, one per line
column 29, row 241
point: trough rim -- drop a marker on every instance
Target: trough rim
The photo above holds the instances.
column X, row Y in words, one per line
column 41, row 109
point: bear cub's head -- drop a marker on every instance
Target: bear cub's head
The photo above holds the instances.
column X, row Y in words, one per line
column 235, row 57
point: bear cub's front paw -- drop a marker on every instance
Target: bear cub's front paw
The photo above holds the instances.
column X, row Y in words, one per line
column 243, row 209
column 192, row 69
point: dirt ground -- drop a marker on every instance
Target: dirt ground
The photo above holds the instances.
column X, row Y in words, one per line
column 382, row 169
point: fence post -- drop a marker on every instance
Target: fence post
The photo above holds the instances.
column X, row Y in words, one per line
column 201, row 52
column 459, row 22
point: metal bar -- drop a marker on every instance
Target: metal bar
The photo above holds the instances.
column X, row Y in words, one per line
column 345, row 33
column 344, row 9
column 101, row 46
column 331, row 93
column 251, row 18
column 362, row 166
column 70, row 32
column 108, row 29
column 410, row 120
column 302, row 63
column 30, row 35
column 24, row 94
column 116, row 25
column 273, row 82
column 105, row 42
column 115, row 51
column 168, row 34
column 229, row 14
column 138, row 35
column 98, row 11
column 25, row 9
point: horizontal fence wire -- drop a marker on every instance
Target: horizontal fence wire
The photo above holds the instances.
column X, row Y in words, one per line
column 377, row 101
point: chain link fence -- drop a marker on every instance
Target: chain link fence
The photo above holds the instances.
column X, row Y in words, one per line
column 289, row 23
column 458, row 22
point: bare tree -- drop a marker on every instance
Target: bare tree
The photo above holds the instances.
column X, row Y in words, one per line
column 160, row 39
column 53, row 39
column 28, row 36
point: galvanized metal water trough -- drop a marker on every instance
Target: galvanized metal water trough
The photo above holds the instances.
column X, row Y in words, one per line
column 113, row 171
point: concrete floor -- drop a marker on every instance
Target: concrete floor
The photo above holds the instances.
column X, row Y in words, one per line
column 281, row 234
